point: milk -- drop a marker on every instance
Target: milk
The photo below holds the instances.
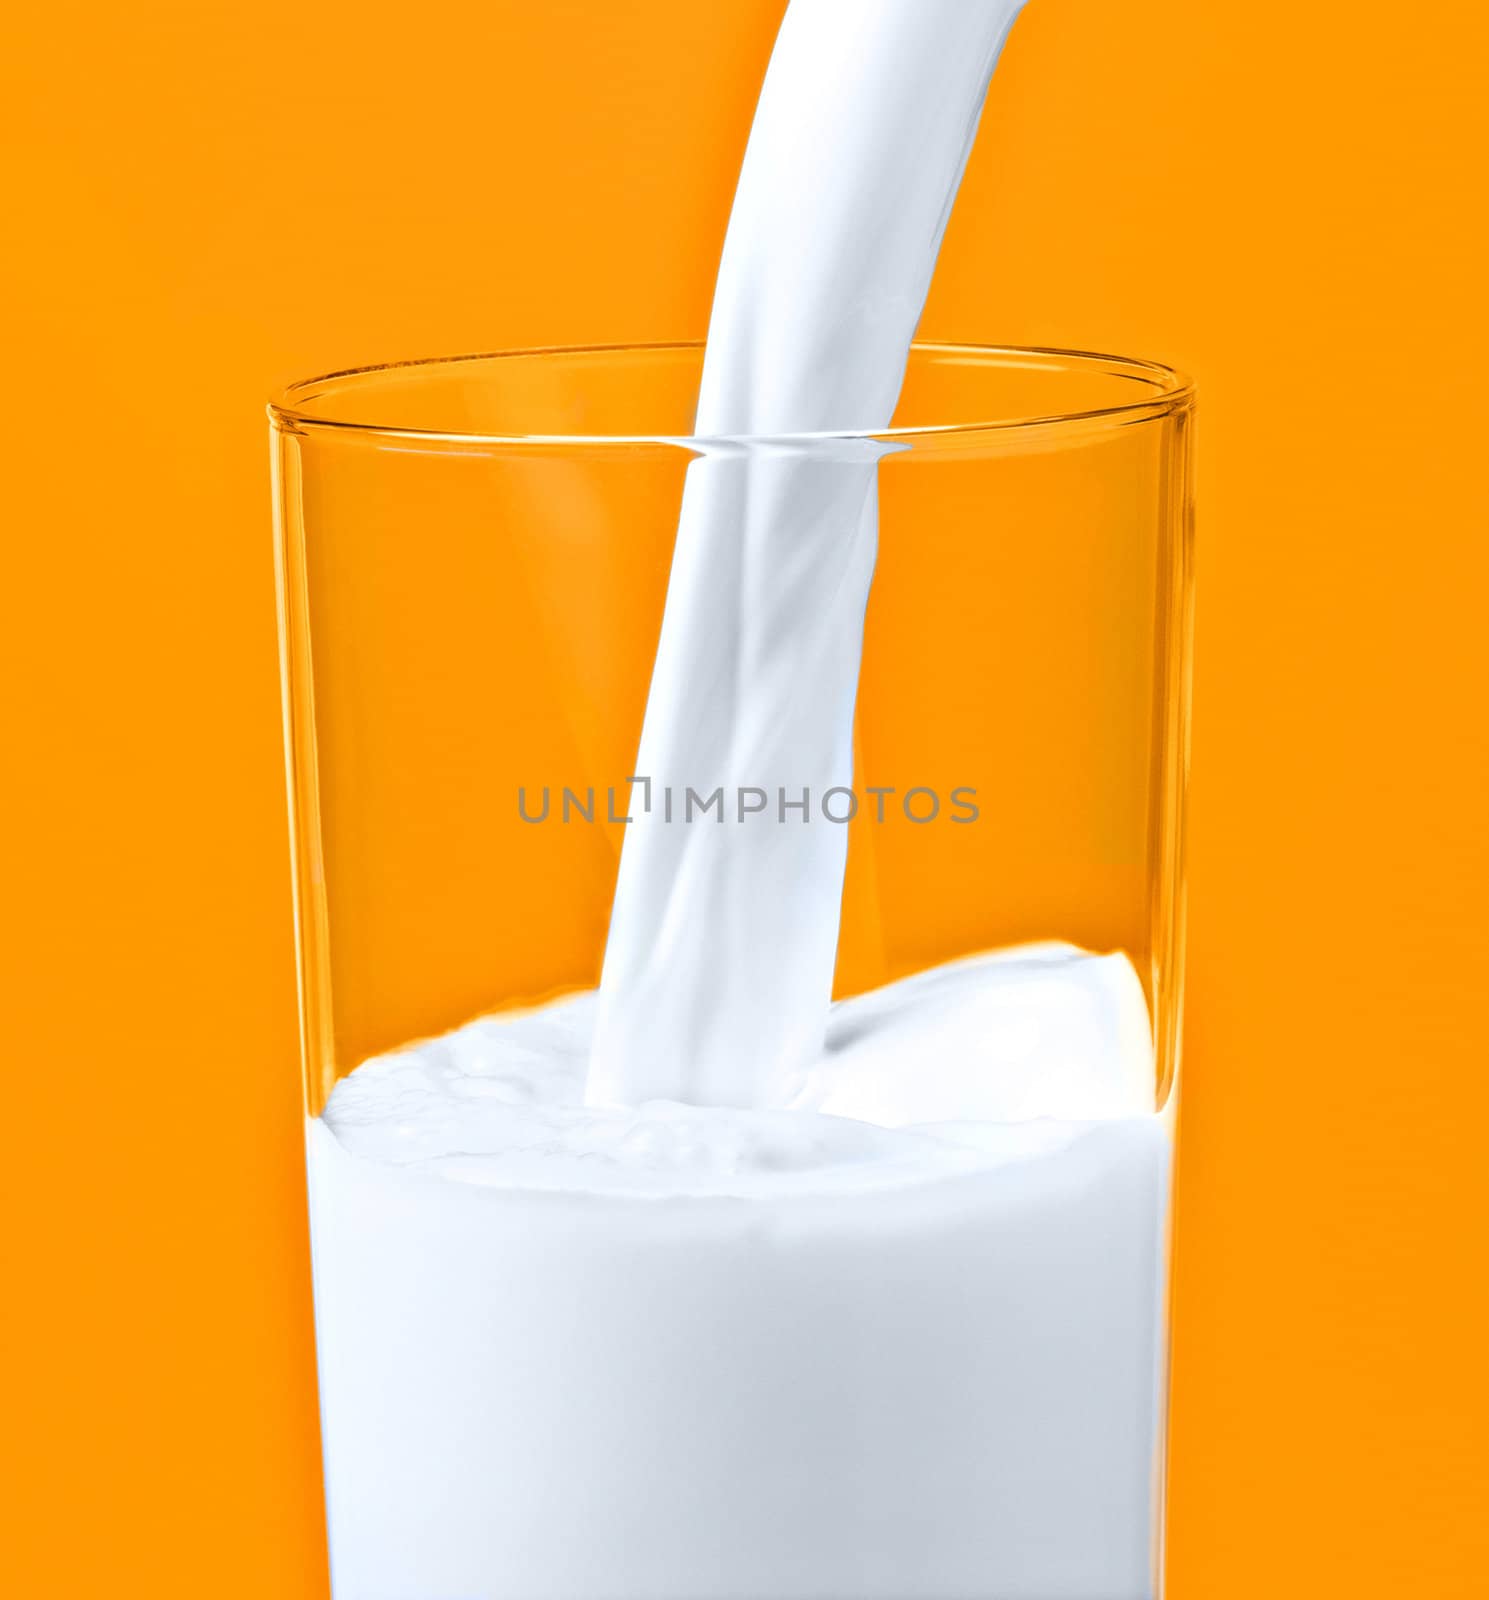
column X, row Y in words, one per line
column 678, row 1352
column 697, row 1288
column 722, row 939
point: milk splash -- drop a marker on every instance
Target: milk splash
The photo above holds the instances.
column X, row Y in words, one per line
column 719, row 964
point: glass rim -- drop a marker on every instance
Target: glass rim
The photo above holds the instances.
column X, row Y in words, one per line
column 1169, row 391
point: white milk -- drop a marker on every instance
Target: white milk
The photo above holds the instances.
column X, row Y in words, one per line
column 694, row 1290
column 680, row 1352
column 719, row 964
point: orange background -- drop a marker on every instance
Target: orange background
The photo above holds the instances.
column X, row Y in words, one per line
column 206, row 201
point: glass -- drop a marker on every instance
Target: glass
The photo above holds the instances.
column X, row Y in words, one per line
column 473, row 558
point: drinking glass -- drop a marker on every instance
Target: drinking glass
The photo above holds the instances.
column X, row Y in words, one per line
column 472, row 559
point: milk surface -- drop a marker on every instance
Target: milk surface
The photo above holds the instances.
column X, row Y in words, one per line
column 718, row 968
column 676, row 1351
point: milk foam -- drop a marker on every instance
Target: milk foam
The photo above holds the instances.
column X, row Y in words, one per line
column 718, row 968
column 1044, row 1032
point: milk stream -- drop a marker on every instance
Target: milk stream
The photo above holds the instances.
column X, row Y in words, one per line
column 722, row 942
column 698, row 1288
